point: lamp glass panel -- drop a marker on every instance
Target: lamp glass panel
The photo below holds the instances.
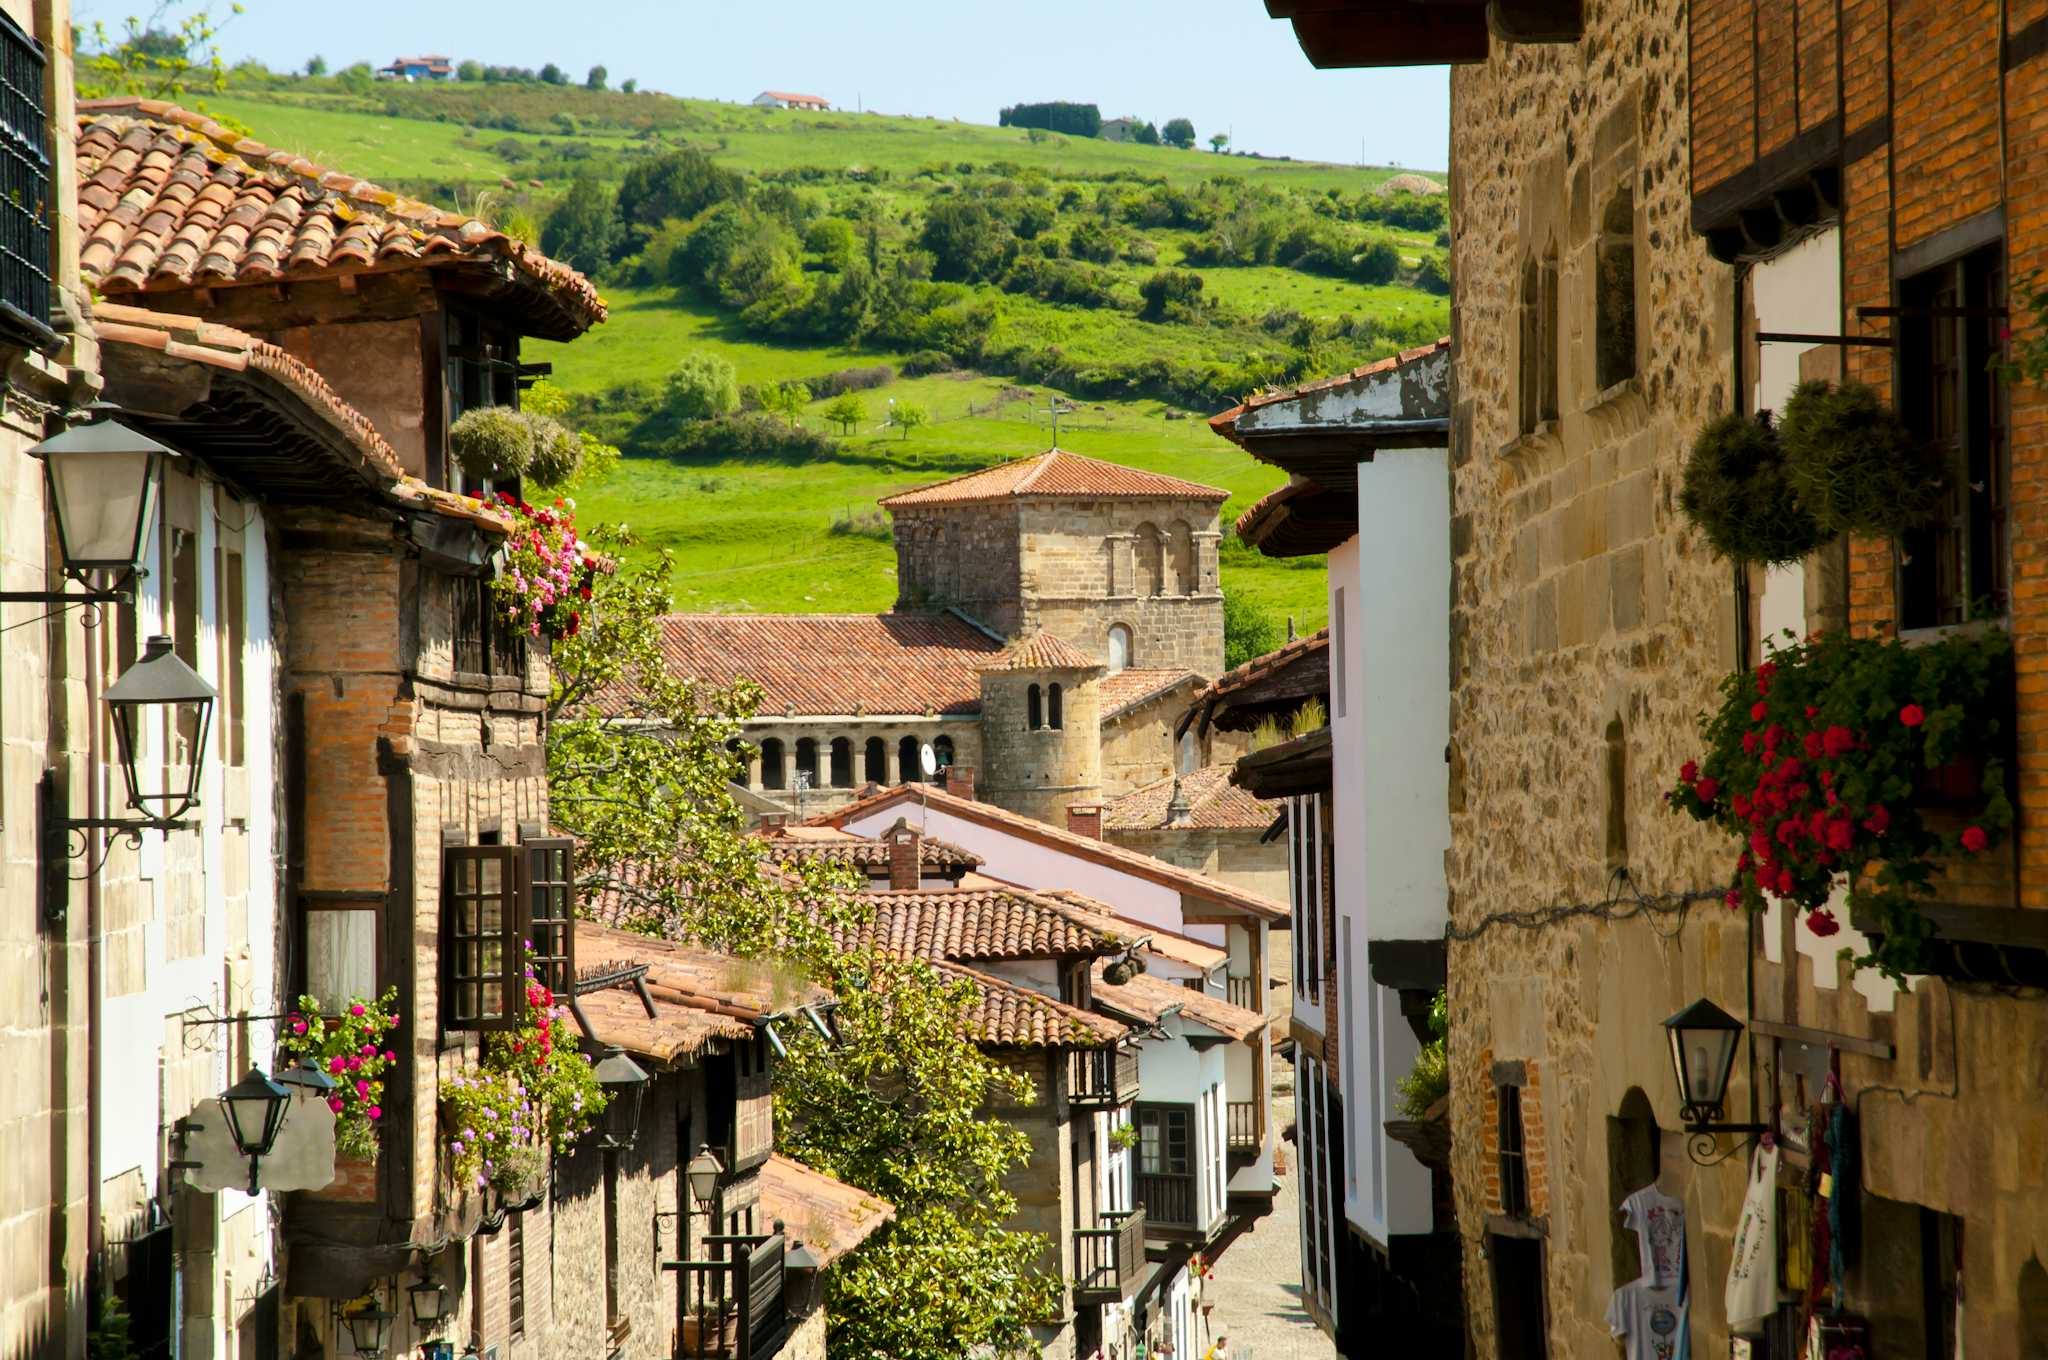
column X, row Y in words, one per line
column 102, row 504
column 1709, row 1054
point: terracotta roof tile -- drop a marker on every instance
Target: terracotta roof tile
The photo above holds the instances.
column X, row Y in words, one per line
column 1147, row 998
column 1055, row 473
column 1214, row 804
column 1259, row 667
column 169, row 199
column 1083, row 847
column 1167, row 944
column 968, row 925
column 1041, row 652
column 828, row 1216
column 688, row 975
column 1135, row 686
column 1010, row 1015
column 1225, row 423
column 800, row 844
column 836, row 664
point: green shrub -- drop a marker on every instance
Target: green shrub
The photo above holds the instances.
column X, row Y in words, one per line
column 750, row 437
column 1430, row 1079
column 1248, row 631
column 491, row 442
column 1377, row 263
column 928, row 361
column 1171, row 295
column 703, row 386
column 1853, row 463
column 1433, row 275
column 1738, row 490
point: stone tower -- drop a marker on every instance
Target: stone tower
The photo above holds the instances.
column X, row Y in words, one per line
column 1041, row 728
column 1119, row 562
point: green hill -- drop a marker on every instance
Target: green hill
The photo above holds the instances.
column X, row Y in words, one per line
column 1045, row 287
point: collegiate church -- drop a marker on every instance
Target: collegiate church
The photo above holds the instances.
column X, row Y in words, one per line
column 1055, row 617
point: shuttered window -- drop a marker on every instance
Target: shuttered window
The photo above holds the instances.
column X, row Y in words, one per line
column 551, row 910
column 481, row 919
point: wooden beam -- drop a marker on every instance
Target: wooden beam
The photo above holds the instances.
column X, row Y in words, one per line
column 1821, row 1038
column 1393, row 34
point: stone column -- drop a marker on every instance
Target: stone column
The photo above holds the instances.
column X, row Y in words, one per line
column 1123, row 569
column 1206, row 545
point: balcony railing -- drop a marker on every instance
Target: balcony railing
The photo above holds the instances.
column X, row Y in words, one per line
column 1103, row 1077
column 1107, row 1259
column 1168, row 1200
column 1242, row 1126
column 731, row 1309
column 1243, row 992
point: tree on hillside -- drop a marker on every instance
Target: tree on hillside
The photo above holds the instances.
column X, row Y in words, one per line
column 847, row 411
column 907, row 416
column 703, row 386
column 786, row 399
column 470, row 72
column 1178, row 132
column 1217, row 141
column 676, row 184
column 629, row 87
column 552, row 74
column 584, row 228
column 1145, row 134
column 597, row 78
column 1248, row 631
column 1377, row 263
column 967, row 242
column 317, row 66
column 899, row 1107
column 1171, row 295
column 162, row 57
column 1078, row 120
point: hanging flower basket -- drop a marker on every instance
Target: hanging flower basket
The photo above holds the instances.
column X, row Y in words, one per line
column 354, row 1049
column 1853, row 464
column 545, row 581
column 1738, row 490
column 1821, row 763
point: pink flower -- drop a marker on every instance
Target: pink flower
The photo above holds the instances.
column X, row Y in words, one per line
column 368, row 1050
column 1974, row 839
column 298, row 1025
column 336, row 1063
column 1912, row 715
column 358, row 1009
column 389, row 1056
column 363, row 1088
column 334, row 1104
column 375, row 1112
column 355, row 1064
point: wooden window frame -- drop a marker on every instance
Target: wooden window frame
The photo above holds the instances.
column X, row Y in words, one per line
column 1513, row 1152
column 510, row 973
column 551, row 910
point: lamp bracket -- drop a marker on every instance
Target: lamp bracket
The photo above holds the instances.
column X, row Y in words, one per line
column 1702, row 1140
column 64, row 597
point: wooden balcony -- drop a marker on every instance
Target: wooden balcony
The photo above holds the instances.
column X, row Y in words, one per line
column 1244, row 992
column 1241, row 1126
column 1103, row 1078
column 1108, row 1259
column 1168, row 1201
column 731, row 1309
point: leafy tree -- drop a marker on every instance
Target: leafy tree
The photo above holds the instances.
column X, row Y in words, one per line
column 679, row 184
column 786, row 399
column 160, row 57
column 583, row 230
column 896, row 1108
column 832, row 240
column 470, row 72
column 703, row 386
column 1377, row 263
column 1217, row 141
column 629, row 87
column 1145, row 134
column 1171, row 295
column 597, row 78
column 967, row 242
column 1079, row 120
column 317, row 66
column 1433, row 275
column 356, row 79
column 1178, row 132
column 907, row 416
column 847, row 410
column 1248, row 631
column 552, row 74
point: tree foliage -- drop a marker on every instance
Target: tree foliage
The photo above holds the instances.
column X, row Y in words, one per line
column 597, row 78
column 677, row 184
column 584, row 229
column 162, row 55
column 786, row 399
column 1178, row 132
column 317, row 66
column 552, row 74
column 907, row 416
column 847, row 411
column 1079, row 120
column 1248, row 631
column 968, row 243
column 703, row 386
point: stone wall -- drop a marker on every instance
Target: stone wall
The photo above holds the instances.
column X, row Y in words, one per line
column 1229, row 856
column 1584, row 613
column 1044, row 1183
column 962, row 555
column 1040, row 772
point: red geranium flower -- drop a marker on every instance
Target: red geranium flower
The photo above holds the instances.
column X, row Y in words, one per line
column 1878, row 820
column 1974, row 839
column 1688, row 772
column 1912, row 715
column 1706, row 789
column 1822, row 922
column 1838, row 740
column 1758, row 709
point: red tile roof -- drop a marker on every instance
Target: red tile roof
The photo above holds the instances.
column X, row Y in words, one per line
column 1135, row 687
column 1148, row 998
column 970, row 925
column 1056, row 473
column 1041, row 652
column 802, row 844
column 836, row 664
column 1214, row 804
column 1259, row 667
column 1225, row 423
column 690, row 975
column 1083, row 847
column 169, row 200
column 1010, row 1015
column 1167, row 944
column 828, row 1216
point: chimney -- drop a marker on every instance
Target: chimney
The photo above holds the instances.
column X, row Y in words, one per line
column 960, row 781
column 772, row 823
column 1085, row 819
column 906, row 855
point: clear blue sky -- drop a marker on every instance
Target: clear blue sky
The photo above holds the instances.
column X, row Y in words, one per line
column 1222, row 63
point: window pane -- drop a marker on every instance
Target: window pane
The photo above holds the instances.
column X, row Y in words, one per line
column 341, row 956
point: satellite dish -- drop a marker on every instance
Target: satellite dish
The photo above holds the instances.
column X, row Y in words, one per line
column 928, row 760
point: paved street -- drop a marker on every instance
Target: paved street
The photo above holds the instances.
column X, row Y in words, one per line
column 1257, row 1289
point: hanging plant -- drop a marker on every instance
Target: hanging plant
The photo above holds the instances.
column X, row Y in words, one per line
column 1738, row 491
column 1854, row 465
column 527, row 1089
column 1819, row 762
column 352, row 1048
column 491, row 442
column 544, row 582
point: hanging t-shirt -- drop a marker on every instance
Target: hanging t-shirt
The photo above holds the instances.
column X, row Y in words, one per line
column 1658, row 1221
column 1752, row 1293
column 1650, row 1319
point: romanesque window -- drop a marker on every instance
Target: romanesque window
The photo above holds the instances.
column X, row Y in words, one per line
column 1179, row 577
column 1034, row 708
column 771, row 763
column 1617, row 795
column 907, row 766
column 1955, row 568
column 875, row 761
column 807, row 762
column 1054, row 717
column 1615, row 303
column 942, row 756
column 842, row 762
column 1538, row 365
column 1119, row 647
column 1149, row 550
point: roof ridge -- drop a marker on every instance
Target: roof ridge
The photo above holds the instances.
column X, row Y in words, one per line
column 1044, row 461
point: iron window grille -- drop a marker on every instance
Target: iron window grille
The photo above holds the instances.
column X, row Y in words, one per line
column 24, row 189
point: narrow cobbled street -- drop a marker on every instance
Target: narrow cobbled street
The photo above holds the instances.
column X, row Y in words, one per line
column 1257, row 1286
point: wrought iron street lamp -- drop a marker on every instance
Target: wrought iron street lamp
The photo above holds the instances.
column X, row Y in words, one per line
column 625, row 1083
column 255, row 1108
column 368, row 1328
column 102, row 480
column 429, row 1304
column 161, row 682
column 306, row 1075
column 703, row 1173
column 1703, row 1040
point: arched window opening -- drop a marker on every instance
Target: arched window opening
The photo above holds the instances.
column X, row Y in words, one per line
column 1034, row 709
column 1054, row 714
column 1180, row 559
column 806, row 762
column 772, row 774
column 1632, row 1162
column 942, row 751
column 842, row 762
column 1538, row 361
column 1190, row 752
column 1615, row 317
column 875, row 762
column 1119, row 647
column 1617, row 795
column 908, row 768
column 1151, row 567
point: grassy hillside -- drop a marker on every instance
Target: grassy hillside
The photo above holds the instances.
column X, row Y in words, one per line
column 800, row 532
